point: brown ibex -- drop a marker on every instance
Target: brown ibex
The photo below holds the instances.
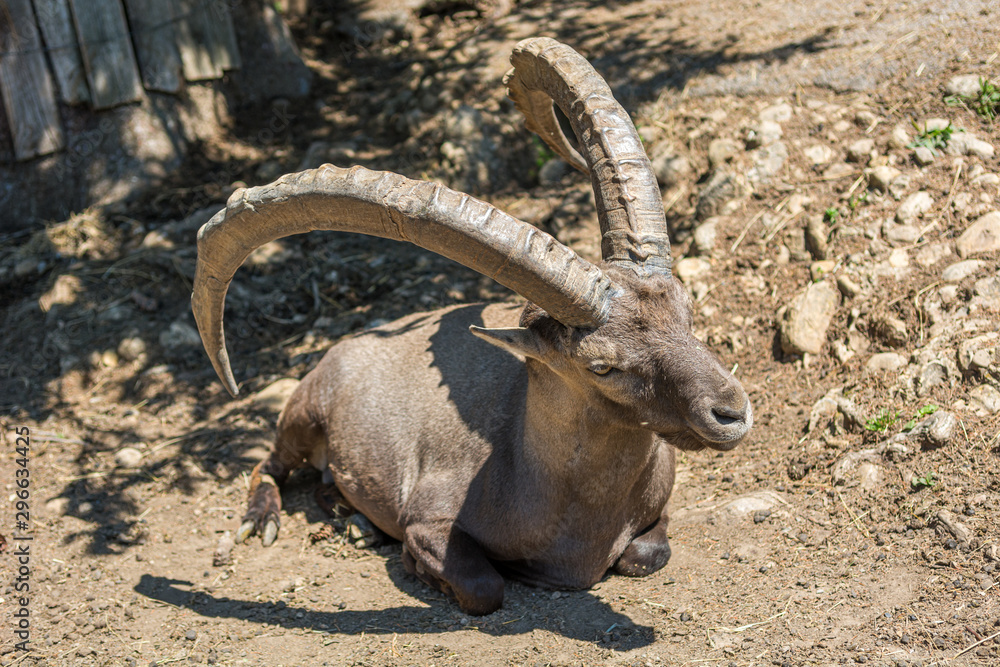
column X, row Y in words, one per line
column 542, row 447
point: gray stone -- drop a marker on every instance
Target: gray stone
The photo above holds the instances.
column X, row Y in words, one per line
column 981, row 236
column 923, row 155
column 705, row 236
column 743, row 506
column 900, row 234
column 914, row 206
column 815, row 237
column 936, row 124
column 980, row 352
column 860, row 150
column 959, row 271
column 315, row 156
column 986, row 397
column 180, row 335
column 128, row 457
column 848, row 287
column 721, row 188
column 937, row 430
column 931, row 254
column 692, row 268
column 885, row 361
column 777, row 113
column 900, row 136
column 950, row 522
column 721, row 151
column 838, row 170
column 131, row 348
column 964, row 143
column 671, row 169
column 881, row 177
column 552, row 172
column 985, row 180
column 818, row 154
column 807, row 318
column 892, row 330
column 768, row 161
column 965, row 85
column 931, row 375
column 764, row 133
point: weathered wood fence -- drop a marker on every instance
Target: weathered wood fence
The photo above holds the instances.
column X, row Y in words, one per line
column 102, row 53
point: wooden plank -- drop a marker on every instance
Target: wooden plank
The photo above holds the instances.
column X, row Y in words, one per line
column 206, row 39
column 64, row 52
column 26, row 85
column 107, row 52
column 155, row 40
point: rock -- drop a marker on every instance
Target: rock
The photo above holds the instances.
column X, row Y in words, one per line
column 777, row 113
column 807, row 318
column 965, row 85
column 743, row 506
column 841, row 473
column 815, row 237
column 936, row 124
column 842, row 353
column 959, row 271
column 821, row 269
column 933, row 253
column 691, row 268
column 881, row 177
column 935, row 431
column 885, row 361
column 892, row 331
column 964, row 143
column 63, row 292
column 986, row 397
column 57, row 506
column 818, row 154
column 670, row 169
column 721, row 151
column 900, row 136
column 224, row 550
column 273, row 397
column 860, row 150
column 978, row 353
column 899, row 258
column 848, row 287
column 950, row 522
column 721, row 188
column 763, row 134
column 914, row 206
column 981, row 236
column 131, row 348
column 900, row 234
column 923, row 156
column 128, row 457
column 870, row 475
column 315, row 156
column 931, row 375
column 768, row 161
column 865, row 118
column 552, row 172
column 266, row 172
column 705, row 236
column 985, row 180
column 838, row 170
column 180, row 335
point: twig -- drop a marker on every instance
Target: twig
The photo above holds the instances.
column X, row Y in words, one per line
column 972, row 646
column 854, row 518
column 746, row 228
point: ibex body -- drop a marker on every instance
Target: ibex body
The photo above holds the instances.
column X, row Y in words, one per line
column 543, row 447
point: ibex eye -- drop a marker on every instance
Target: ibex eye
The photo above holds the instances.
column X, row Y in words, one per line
column 601, row 369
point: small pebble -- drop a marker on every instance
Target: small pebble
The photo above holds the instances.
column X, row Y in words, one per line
column 191, row 635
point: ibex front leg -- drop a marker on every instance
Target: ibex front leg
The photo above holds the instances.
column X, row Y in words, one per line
column 445, row 557
column 647, row 552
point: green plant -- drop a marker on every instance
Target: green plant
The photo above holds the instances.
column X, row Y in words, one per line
column 830, row 214
column 933, row 138
column 922, row 412
column 986, row 102
column 542, row 152
column 857, row 200
column 924, row 481
column 882, row 422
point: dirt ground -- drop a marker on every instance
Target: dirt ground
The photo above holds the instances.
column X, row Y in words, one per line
column 836, row 535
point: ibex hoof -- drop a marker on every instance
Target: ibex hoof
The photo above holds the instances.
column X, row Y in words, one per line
column 247, row 529
column 270, row 533
column 363, row 532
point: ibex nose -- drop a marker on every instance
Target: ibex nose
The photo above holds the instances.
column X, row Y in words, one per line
column 727, row 415
column 729, row 424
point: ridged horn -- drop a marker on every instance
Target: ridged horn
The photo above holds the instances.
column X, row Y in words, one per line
column 384, row 204
column 629, row 207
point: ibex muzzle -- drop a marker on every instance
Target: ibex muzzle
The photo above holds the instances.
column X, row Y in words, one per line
column 543, row 446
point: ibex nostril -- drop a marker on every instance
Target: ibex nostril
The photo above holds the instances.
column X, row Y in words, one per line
column 726, row 415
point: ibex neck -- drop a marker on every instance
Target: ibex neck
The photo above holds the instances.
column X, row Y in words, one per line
column 568, row 436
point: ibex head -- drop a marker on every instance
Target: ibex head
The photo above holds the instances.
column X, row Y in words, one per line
column 620, row 333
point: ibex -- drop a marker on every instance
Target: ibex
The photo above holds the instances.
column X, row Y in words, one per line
column 541, row 447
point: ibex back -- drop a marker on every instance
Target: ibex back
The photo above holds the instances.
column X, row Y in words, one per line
column 543, row 447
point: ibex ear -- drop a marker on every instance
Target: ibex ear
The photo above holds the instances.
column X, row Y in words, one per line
column 516, row 340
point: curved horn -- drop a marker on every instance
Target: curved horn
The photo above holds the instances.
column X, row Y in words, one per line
column 629, row 207
column 379, row 203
